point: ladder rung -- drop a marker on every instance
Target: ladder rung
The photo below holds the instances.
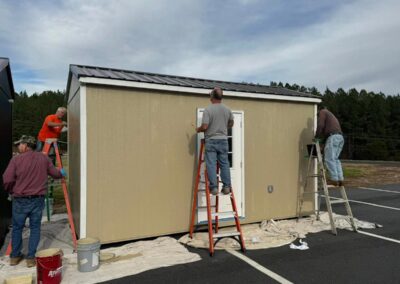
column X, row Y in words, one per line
column 204, row 207
column 224, row 235
column 226, row 214
column 220, row 194
column 338, row 201
column 314, row 176
column 332, row 186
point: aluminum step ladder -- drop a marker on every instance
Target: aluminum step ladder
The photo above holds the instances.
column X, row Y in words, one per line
column 323, row 189
column 213, row 213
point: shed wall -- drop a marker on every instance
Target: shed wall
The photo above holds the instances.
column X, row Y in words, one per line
column 74, row 157
column 141, row 159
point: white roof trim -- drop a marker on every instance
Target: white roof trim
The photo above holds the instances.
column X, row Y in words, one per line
column 142, row 85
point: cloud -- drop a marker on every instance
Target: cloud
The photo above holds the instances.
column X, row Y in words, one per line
column 341, row 44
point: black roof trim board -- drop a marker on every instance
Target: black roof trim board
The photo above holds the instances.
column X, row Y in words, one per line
column 5, row 64
column 179, row 81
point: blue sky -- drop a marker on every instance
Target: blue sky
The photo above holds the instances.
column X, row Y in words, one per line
column 349, row 44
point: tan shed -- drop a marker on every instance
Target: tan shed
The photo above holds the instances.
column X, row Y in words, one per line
column 133, row 150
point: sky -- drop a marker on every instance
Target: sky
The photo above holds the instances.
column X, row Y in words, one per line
column 321, row 43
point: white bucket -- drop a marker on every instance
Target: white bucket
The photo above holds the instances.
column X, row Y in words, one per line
column 88, row 254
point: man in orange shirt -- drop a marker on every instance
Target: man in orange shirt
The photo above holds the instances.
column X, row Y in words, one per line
column 52, row 127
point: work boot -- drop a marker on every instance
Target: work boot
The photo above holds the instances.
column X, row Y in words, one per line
column 30, row 262
column 214, row 191
column 226, row 190
column 341, row 183
column 332, row 182
column 15, row 260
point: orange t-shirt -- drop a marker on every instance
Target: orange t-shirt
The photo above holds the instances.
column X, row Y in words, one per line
column 48, row 131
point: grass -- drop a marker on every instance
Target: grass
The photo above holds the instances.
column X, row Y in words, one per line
column 352, row 172
column 58, row 194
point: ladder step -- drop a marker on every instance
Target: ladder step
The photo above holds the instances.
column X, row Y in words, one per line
column 226, row 214
column 332, row 186
column 220, row 194
column 314, row 176
column 204, row 207
column 338, row 201
column 225, row 235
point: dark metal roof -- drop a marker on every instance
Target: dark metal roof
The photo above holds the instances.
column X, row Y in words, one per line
column 5, row 64
column 125, row 75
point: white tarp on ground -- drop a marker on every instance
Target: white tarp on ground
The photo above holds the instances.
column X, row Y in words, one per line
column 140, row 256
column 271, row 233
column 129, row 259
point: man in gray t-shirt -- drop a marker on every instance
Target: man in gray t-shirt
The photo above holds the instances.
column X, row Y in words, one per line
column 217, row 118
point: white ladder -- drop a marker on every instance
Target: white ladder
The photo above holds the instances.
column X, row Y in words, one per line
column 323, row 189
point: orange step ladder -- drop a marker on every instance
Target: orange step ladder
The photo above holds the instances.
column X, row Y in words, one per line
column 46, row 149
column 213, row 234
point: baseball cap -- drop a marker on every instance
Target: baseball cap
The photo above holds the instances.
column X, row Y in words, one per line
column 26, row 139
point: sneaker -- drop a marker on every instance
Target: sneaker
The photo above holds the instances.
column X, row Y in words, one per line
column 30, row 262
column 15, row 260
column 226, row 190
column 214, row 191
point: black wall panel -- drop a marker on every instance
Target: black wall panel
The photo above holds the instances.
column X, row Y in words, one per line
column 5, row 149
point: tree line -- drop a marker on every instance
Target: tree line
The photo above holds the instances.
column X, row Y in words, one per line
column 370, row 121
column 29, row 112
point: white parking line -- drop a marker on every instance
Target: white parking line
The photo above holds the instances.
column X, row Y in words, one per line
column 378, row 189
column 259, row 267
column 366, row 203
column 379, row 237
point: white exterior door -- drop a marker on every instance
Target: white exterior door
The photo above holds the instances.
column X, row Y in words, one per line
column 236, row 160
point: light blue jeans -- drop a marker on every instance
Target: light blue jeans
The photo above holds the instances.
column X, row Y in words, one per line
column 217, row 150
column 332, row 150
column 23, row 208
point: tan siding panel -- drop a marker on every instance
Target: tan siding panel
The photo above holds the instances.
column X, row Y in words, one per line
column 141, row 160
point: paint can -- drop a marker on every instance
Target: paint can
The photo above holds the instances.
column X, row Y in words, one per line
column 49, row 266
column 88, row 254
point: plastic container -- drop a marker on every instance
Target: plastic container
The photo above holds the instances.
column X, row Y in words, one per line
column 49, row 266
column 88, row 254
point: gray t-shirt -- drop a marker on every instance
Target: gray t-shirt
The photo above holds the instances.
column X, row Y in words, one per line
column 217, row 117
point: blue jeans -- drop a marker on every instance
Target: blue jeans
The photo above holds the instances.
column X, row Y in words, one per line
column 217, row 150
column 333, row 147
column 51, row 154
column 23, row 208
column 39, row 146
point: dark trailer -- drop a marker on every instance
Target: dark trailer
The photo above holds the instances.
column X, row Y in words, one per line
column 6, row 101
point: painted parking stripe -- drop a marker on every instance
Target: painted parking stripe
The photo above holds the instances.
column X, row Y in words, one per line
column 379, row 237
column 366, row 203
column 378, row 189
column 259, row 267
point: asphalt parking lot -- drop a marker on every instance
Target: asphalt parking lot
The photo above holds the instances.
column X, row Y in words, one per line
column 370, row 256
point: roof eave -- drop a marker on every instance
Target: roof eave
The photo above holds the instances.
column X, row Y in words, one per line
column 201, row 91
